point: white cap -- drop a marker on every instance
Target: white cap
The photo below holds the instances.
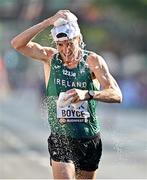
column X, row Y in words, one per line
column 67, row 26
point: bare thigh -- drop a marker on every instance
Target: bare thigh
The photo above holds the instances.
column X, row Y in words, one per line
column 63, row 170
column 85, row 174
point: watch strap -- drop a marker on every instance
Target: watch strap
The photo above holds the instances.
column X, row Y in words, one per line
column 90, row 96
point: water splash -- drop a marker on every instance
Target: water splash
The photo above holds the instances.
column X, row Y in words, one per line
column 118, row 146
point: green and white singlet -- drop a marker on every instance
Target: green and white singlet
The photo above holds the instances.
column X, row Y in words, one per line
column 75, row 122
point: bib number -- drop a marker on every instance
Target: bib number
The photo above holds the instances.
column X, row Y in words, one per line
column 73, row 112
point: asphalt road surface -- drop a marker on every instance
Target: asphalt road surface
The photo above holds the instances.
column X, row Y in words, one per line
column 24, row 131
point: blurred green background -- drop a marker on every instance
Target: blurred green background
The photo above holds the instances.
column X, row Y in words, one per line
column 115, row 29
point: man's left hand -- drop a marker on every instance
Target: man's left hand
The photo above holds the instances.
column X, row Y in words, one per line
column 78, row 95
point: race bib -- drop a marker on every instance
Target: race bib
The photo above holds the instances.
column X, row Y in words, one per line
column 68, row 112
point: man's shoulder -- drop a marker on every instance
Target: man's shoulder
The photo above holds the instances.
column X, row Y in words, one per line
column 94, row 58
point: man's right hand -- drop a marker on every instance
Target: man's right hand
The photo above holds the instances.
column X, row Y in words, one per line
column 59, row 14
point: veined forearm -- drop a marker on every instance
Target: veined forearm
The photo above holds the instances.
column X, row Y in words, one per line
column 26, row 36
column 108, row 96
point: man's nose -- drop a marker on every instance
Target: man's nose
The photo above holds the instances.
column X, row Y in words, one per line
column 67, row 47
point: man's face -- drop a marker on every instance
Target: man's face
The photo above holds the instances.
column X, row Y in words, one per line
column 68, row 48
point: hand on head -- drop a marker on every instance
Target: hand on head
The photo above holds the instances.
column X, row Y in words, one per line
column 59, row 14
column 63, row 16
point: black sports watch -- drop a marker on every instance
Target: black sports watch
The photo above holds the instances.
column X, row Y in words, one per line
column 91, row 94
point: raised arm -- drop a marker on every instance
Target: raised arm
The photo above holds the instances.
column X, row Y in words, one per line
column 24, row 44
column 110, row 92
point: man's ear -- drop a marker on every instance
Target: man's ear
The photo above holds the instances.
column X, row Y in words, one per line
column 79, row 39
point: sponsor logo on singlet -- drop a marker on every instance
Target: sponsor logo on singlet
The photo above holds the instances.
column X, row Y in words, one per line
column 68, row 73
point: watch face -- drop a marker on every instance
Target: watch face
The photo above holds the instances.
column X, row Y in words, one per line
column 91, row 92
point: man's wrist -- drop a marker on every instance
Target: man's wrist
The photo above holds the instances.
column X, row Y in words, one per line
column 89, row 95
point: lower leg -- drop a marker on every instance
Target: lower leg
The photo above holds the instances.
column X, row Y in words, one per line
column 80, row 174
column 62, row 170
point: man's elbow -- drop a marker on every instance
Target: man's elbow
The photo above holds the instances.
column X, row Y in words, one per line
column 14, row 44
column 119, row 98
